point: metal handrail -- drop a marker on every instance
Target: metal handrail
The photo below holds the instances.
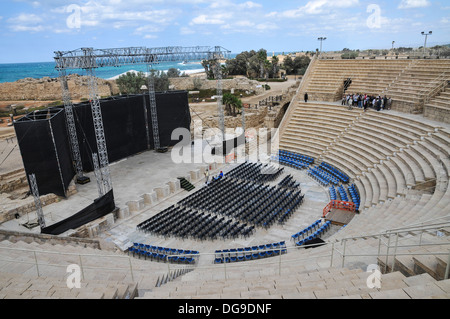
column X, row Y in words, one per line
column 410, row 65
column 333, row 251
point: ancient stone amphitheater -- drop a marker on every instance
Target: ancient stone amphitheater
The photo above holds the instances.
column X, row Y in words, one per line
column 395, row 246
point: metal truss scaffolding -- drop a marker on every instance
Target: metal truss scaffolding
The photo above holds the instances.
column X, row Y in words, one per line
column 89, row 59
column 37, row 200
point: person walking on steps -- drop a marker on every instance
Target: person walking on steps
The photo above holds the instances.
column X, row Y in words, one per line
column 206, row 176
column 306, row 97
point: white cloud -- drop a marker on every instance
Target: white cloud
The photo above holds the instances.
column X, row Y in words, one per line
column 119, row 14
column 314, row 7
column 186, row 30
column 26, row 22
column 408, row 4
column 209, row 19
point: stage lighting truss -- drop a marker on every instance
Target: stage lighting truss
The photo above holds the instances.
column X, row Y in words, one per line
column 89, row 59
column 37, row 200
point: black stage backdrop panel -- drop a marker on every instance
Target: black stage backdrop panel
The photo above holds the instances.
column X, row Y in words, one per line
column 63, row 151
column 49, row 155
column 229, row 145
column 99, row 208
column 173, row 112
column 45, row 152
column 86, row 134
column 123, row 124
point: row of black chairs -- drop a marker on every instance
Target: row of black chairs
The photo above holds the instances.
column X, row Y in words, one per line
column 190, row 223
column 289, row 182
column 255, row 172
column 249, row 253
column 248, row 202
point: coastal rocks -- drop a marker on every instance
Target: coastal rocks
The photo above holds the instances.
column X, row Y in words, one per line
column 195, row 83
column 47, row 88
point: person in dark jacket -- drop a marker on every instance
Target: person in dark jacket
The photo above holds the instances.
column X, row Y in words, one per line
column 306, row 97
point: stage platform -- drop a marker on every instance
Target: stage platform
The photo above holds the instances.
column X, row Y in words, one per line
column 339, row 217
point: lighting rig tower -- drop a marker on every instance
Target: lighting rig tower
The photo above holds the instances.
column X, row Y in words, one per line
column 216, row 56
column 37, row 201
column 89, row 59
column 70, row 122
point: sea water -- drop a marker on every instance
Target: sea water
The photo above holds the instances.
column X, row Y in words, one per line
column 12, row 72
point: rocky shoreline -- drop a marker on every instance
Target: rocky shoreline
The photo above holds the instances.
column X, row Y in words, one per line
column 49, row 89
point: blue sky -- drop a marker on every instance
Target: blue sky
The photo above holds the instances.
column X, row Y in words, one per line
column 30, row 31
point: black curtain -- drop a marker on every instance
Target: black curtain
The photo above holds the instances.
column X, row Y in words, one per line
column 99, row 208
column 45, row 151
column 49, row 155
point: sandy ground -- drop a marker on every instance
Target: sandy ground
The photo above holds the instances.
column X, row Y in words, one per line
column 210, row 108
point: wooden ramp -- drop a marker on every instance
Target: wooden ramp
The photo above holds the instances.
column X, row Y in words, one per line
column 339, row 217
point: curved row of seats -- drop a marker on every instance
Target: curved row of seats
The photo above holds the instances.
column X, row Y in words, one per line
column 352, row 190
column 335, row 172
column 294, row 163
column 296, row 157
column 249, row 253
column 332, row 192
column 328, row 77
column 343, row 193
column 382, row 153
column 355, row 198
column 313, row 127
column 315, row 230
column 322, row 176
column 164, row 254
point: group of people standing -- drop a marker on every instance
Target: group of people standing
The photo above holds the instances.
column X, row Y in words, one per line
column 364, row 101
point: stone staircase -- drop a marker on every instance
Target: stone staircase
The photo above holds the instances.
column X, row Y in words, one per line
column 40, row 270
column 17, row 286
column 410, row 89
column 326, row 82
column 297, row 282
column 406, row 81
column 438, row 108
